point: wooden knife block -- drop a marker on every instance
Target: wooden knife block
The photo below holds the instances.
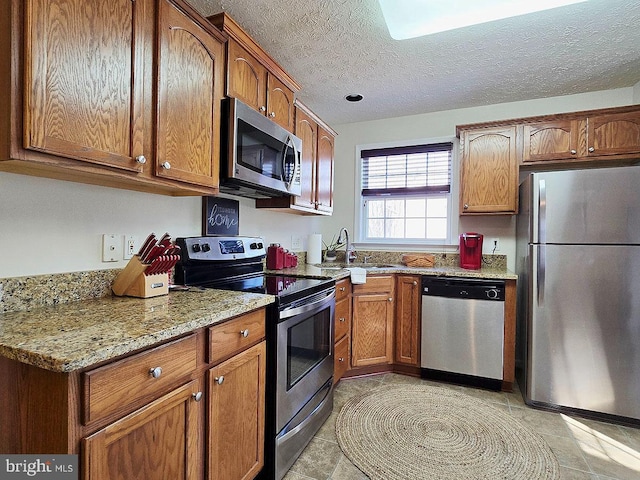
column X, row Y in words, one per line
column 132, row 282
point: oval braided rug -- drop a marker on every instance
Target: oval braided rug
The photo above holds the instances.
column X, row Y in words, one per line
column 423, row 432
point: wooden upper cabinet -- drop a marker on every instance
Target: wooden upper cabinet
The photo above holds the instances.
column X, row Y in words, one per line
column 246, row 77
column 550, row 140
column 280, row 100
column 613, row 134
column 190, row 63
column 325, row 168
column 82, row 100
column 254, row 77
column 307, row 131
column 489, row 171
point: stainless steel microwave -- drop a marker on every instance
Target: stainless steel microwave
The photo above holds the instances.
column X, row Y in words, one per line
column 260, row 159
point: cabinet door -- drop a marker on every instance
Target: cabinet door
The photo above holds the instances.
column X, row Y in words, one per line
column 372, row 329
column 489, row 171
column 280, row 103
column 325, row 165
column 83, row 80
column 307, row 131
column 247, row 78
column 407, row 334
column 341, row 359
column 157, row 442
column 236, row 416
column 614, row 134
column 550, row 141
column 190, row 76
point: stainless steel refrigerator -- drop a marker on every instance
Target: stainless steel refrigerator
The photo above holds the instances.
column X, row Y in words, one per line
column 578, row 260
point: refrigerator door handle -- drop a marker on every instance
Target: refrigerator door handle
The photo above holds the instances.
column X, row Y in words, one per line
column 542, row 211
column 541, row 272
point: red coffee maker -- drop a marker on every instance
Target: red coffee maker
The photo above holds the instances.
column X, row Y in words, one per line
column 471, row 250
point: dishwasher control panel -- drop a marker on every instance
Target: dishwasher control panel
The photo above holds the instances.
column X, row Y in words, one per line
column 469, row 288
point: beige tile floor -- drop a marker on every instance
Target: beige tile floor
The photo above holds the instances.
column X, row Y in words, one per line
column 585, row 449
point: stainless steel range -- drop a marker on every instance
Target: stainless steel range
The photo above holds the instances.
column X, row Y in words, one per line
column 299, row 337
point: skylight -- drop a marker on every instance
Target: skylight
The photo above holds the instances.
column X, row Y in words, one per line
column 415, row 18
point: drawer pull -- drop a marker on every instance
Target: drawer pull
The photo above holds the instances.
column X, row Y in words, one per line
column 197, row 396
column 391, row 299
column 245, row 332
column 341, row 359
column 342, row 319
column 342, row 289
column 219, row 379
column 155, row 372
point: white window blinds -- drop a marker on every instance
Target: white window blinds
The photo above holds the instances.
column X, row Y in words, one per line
column 409, row 170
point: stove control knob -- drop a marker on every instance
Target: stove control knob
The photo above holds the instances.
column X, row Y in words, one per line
column 206, row 247
column 195, row 247
column 253, row 246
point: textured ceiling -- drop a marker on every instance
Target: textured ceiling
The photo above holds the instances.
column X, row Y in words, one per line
column 333, row 48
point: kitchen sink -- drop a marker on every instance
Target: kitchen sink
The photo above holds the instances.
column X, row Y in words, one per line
column 366, row 266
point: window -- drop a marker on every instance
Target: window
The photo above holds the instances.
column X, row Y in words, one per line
column 406, row 194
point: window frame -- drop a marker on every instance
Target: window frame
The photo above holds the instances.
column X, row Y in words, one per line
column 359, row 215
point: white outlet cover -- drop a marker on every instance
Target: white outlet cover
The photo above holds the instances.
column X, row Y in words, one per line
column 111, row 247
column 130, row 247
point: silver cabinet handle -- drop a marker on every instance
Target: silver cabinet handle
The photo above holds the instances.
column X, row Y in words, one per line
column 391, row 299
column 219, row 379
column 272, row 114
column 573, row 152
column 166, row 165
column 415, row 283
column 342, row 289
column 591, row 149
column 341, row 359
column 141, row 159
column 342, row 319
column 466, row 206
column 244, row 333
column 197, row 396
column 155, row 372
column 263, row 108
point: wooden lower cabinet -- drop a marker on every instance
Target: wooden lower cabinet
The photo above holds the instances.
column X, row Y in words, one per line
column 187, row 409
column 407, row 325
column 236, row 416
column 373, row 320
column 156, row 442
column 342, row 346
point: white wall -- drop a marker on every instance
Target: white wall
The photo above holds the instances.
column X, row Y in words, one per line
column 443, row 124
column 51, row 226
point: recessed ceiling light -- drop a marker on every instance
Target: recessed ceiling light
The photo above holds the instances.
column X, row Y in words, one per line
column 354, row 97
column 414, row 18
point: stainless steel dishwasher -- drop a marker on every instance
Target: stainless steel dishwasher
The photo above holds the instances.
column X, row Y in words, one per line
column 463, row 330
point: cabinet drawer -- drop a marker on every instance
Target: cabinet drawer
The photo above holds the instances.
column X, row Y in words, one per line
column 235, row 335
column 341, row 358
column 378, row 283
column 343, row 318
column 343, row 289
column 132, row 381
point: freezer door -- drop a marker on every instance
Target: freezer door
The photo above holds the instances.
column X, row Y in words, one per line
column 583, row 328
column 594, row 206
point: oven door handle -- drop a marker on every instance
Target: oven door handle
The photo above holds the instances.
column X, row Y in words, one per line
column 317, row 305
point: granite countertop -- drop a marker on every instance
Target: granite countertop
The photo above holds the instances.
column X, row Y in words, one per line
column 339, row 271
column 75, row 335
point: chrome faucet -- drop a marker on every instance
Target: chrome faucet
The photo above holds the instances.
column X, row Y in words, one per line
column 350, row 252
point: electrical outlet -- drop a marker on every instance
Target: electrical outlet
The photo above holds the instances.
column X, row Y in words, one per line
column 130, row 246
column 495, row 245
column 111, row 247
column 296, row 243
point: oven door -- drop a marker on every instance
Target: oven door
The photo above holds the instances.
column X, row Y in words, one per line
column 304, row 355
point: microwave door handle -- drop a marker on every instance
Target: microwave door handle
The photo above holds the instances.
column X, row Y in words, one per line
column 296, row 162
